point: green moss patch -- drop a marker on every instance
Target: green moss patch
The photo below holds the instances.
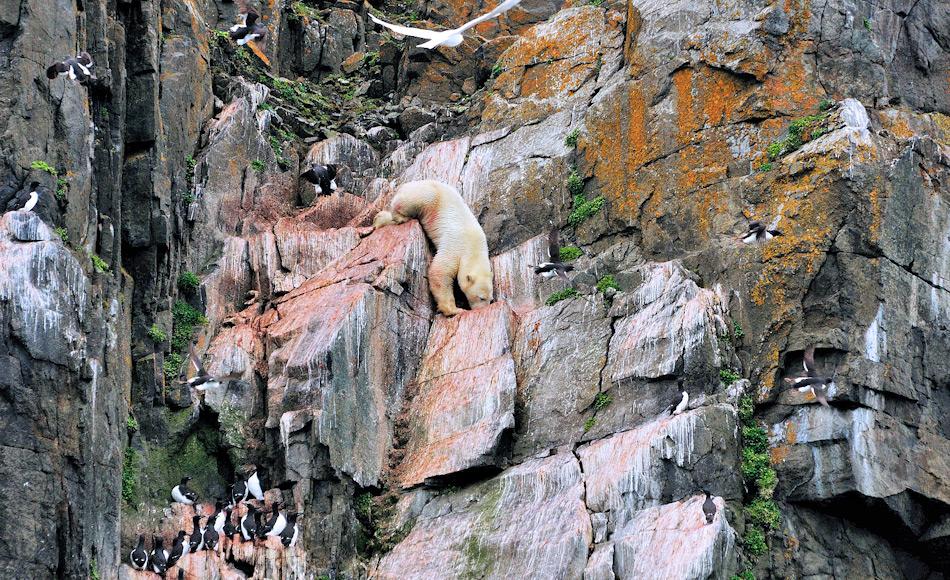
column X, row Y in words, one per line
column 561, row 295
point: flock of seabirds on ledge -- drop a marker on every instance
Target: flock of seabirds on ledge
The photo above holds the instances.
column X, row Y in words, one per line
column 256, row 524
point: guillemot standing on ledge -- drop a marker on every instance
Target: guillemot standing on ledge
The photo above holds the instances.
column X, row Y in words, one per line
column 288, row 537
column 181, row 493
column 138, row 556
column 159, row 556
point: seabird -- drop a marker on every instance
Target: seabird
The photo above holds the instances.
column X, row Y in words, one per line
column 210, row 536
column 554, row 266
column 238, row 492
column 288, row 537
column 246, row 34
column 248, row 17
column 159, row 556
column 681, row 406
column 254, row 486
column 759, row 232
column 249, row 523
column 451, row 37
column 202, row 380
column 277, row 522
column 76, row 67
column 811, row 381
column 709, row 508
column 179, row 549
column 229, row 529
column 323, row 178
column 182, row 494
column 196, row 542
column 34, row 197
column 219, row 517
column 138, row 556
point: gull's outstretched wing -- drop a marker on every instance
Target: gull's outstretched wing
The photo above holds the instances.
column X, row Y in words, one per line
column 497, row 11
column 407, row 31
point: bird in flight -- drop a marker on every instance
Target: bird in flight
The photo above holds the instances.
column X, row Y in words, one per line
column 811, row 380
column 451, row 37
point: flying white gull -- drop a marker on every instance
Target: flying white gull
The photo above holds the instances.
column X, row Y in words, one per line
column 446, row 37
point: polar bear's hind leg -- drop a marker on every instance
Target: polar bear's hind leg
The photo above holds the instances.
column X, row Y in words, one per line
column 442, row 274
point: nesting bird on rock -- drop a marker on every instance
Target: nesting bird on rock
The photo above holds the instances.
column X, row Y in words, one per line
column 323, row 177
column 209, row 538
column 196, row 541
column 759, row 232
column 811, row 380
column 179, row 549
column 709, row 508
column 249, row 524
column 77, row 68
column 182, row 494
column 27, row 199
column 451, row 37
column 138, row 556
column 254, row 486
column 220, row 515
column 681, row 405
column 554, row 266
column 276, row 524
column 238, row 492
column 159, row 556
column 288, row 537
column 229, row 530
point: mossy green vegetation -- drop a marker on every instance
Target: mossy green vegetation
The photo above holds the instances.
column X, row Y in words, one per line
column 728, row 376
column 575, row 183
column 584, row 209
column 156, row 333
column 744, row 575
column 172, row 366
column 188, row 282
column 186, row 317
column 572, row 138
column 94, row 570
column 761, row 511
column 131, row 425
column 62, row 233
column 800, row 131
column 607, row 283
column 130, row 476
column 561, row 295
column 98, row 263
column 258, row 166
column 570, row 253
column 589, row 423
column 44, row 166
column 765, row 167
column 826, row 104
column 601, row 401
column 62, row 189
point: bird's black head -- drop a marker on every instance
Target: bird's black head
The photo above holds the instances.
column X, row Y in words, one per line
column 157, row 541
column 331, row 170
column 185, row 479
column 181, row 534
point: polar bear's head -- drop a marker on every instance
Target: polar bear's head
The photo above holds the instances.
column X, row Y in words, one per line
column 476, row 284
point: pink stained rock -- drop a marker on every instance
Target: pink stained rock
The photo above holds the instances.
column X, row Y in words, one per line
column 528, row 522
column 442, row 161
column 674, row 541
column 464, row 396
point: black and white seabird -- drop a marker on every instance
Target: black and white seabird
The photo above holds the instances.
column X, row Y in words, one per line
column 288, row 537
column 252, row 30
column 179, row 549
column 210, row 536
column 709, row 508
column 238, row 492
column 202, row 380
column 276, row 524
column 229, row 530
column 554, row 266
column 77, row 68
column 159, row 557
column 323, row 178
column 249, row 524
column 248, row 17
column 811, row 380
column 196, row 541
column 138, row 556
column 683, row 403
column 219, row 516
column 254, row 486
column 182, row 494
column 759, row 232
column 27, row 199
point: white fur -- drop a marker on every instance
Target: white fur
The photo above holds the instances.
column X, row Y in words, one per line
column 461, row 248
column 683, row 403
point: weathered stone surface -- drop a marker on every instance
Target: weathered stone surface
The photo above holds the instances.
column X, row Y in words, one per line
column 560, row 352
column 357, row 159
column 669, row 325
column 462, row 409
column 667, row 459
column 674, row 541
column 529, row 522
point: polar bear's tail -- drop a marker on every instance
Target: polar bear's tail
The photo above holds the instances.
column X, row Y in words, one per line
column 383, row 218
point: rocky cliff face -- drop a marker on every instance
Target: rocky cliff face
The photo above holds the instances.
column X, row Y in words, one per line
column 531, row 439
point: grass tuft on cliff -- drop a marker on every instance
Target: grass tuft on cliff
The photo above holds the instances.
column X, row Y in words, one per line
column 561, row 295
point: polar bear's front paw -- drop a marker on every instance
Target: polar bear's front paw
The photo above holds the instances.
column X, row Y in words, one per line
column 449, row 311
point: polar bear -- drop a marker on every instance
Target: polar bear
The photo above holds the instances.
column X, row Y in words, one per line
column 461, row 249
